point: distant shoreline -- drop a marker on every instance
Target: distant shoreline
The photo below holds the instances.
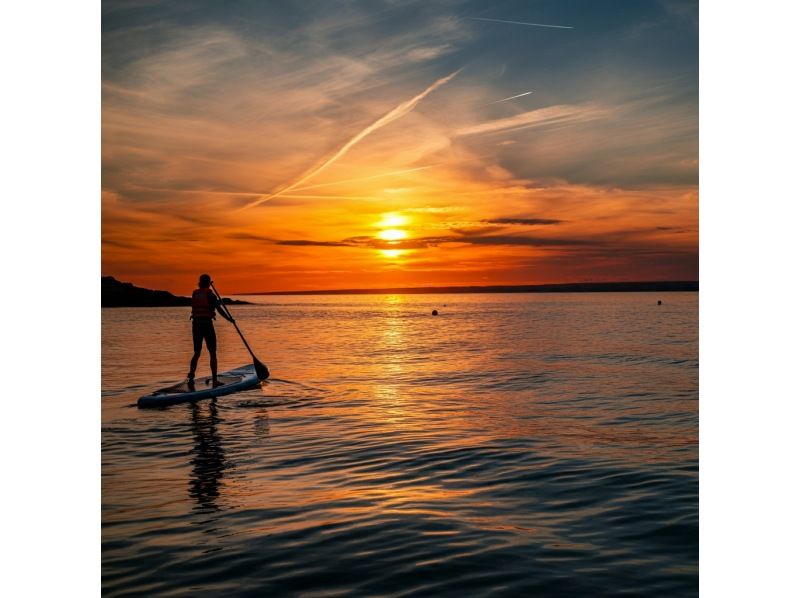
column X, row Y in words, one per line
column 114, row 293
column 576, row 287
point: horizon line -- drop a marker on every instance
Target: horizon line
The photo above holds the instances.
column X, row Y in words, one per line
column 610, row 286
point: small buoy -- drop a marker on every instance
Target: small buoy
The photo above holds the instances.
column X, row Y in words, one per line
column 434, row 313
column 659, row 301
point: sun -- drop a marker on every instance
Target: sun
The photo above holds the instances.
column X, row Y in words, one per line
column 392, row 234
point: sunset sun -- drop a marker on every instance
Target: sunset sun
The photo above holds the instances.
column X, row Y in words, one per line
column 392, row 234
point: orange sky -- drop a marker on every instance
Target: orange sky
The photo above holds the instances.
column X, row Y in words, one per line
column 288, row 166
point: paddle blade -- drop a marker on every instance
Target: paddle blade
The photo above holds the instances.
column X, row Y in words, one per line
column 261, row 370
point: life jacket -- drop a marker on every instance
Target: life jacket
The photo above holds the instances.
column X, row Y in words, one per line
column 201, row 304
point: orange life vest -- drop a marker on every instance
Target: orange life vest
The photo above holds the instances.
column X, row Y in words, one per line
column 201, row 304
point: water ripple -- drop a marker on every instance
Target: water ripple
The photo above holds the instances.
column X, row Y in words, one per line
column 516, row 446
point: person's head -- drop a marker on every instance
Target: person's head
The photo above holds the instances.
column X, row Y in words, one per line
column 205, row 281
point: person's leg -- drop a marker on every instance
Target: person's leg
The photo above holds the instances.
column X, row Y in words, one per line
column 197, row 341
column 211, row 345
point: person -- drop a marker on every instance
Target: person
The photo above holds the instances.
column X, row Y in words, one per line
column 205, row 306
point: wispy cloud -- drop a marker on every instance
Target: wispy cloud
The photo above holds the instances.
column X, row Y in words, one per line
column 428, row 53
column 537, row 118
column 465, row 238
column 398, row 111
column 524, row 221
column 363, row 179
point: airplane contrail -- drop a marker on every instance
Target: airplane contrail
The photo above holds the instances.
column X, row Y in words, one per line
column 512, row 97
column 519, row 23
column 398, row 112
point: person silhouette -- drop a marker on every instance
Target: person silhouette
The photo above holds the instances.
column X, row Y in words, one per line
column 205, row 306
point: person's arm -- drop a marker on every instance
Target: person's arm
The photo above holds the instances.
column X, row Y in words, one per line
column 220, row 309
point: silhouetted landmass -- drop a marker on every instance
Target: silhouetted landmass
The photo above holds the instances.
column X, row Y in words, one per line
column 124, row 294
column 575, row 287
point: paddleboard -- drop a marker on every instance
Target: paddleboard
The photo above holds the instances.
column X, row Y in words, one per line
column 241, row 378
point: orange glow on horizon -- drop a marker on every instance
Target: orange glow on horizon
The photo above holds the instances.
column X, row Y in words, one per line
column 458, row 238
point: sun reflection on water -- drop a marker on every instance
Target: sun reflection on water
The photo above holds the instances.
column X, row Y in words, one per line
column 393, row 345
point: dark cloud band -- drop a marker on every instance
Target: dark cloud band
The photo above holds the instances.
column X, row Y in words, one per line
column 524, row 221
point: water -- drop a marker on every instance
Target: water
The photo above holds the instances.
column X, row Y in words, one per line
column 513, row 445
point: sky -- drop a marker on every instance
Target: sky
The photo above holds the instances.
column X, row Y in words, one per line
column 303, row 145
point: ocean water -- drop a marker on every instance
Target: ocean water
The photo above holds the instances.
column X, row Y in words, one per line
column 519, row 445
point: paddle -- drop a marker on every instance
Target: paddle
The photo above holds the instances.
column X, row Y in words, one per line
column 261, row 370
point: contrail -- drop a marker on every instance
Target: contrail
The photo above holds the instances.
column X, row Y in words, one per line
column 398, row 112
column 519, row 23
column 512, row 97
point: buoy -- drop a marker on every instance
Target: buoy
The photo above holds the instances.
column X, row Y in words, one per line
column 434, row 313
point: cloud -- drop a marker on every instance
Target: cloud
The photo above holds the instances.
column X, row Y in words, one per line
column 429, row 53
column 206, row 102
column 307, row 243
column 524, row 221
column 551, row 115
column 362, row 179
column 250, row 237
column 530, row 241
column 473, row 230
column 398, row 111
column 465, row 238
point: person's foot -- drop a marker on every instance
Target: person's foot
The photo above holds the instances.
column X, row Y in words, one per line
column 216, row 383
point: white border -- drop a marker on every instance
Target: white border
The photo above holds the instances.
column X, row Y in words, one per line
column 51, row 331
column 750, row 497
column 749, row 312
